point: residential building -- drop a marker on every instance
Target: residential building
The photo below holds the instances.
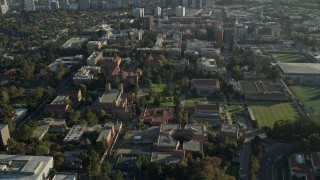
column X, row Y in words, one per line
column 180, row 11
column 25, row 167
column 148, row 23
column 239, row 31
column 74, row 95
column 94, row 58
column 229, row 132
column 29, row 5
column 5, row 135
column 75, row 134
column 205, row 87
column 155, row 116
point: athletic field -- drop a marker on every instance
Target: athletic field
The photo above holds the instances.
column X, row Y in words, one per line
column 310, row 98
column 289, row 58
column 268, row 112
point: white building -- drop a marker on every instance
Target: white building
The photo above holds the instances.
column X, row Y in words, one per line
column 25, row 167
column 157, row 11
column 180, row 11
column 29, row 5
column 207, row 64
column 138, row 12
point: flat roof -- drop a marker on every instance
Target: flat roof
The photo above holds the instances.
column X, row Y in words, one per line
column 197, row 128
column 232, row 128
column 109, row 96
column 193, row 145
column 20, row 112
column 165, row 157
column 169, row 127
column 74, row 134
column 65, row 176
column 300, row 68
column 3, row 126
column 40, row 131
column 167, row 141
column 60, row 99
column 104, row 134
column 24, row 167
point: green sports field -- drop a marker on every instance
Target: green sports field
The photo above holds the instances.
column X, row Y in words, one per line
column 268, row 112
column 289, row 58
column 310, row 98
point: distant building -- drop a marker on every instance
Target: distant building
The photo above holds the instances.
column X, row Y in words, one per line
column 239, row 31
column 154, row 61
column 29, row 5
column 157, row 11
column 180, row 11
column 180, row 65
column 107, row 134
column 93, row 46
column 218, row 34
column 217, row 13
column 5, row 135
column 25, row 167
column 211, row 113
column 138, row 13
column 299, row 167
column 4, row 8
column 84, row 4
column 148, row 23
column 54, row 5
column 94, row 58
column 301, row 73
column 205, row 87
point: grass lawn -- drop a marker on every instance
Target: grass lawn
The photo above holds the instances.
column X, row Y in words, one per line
column 269, row 112
column 310, row 98
column 289, row 58
column 233, row 169
column 234, row 108
column 158, row 88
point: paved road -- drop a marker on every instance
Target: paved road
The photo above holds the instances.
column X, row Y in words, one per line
column 269, row 158
column 245, row 161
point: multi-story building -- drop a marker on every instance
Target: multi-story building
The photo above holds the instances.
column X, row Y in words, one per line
column 239, row 31
column 29, row 5
column 205, row 87
column 157, row 11
column 75, row 134
column 54, row 5
column 209, row 65
column 93, row 46
column 25, row 167
column 85, row 74
column 217, row 13
column 155, row 116
column 58, row 107
column 84, row 4
column 180, row 11
column 4, row 6
column 94, row 58
column 229, row 132
column 5, row 135
column 138, row 12
column 148, row 23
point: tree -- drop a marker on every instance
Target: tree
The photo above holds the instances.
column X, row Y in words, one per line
column 117, row 175
column 91, row 118
column 42, row 150
column 5, row 98
column 156, row 101
column 60, row 72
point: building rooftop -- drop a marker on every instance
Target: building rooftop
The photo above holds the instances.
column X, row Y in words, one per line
column 163, row 157
column 207, row 107
column 167, row 141
column 60, row 99
column 193, row 145
column 24, row 167
column 205, row 82
column 300, row 68
column 65, row 176
column 20, row 112
column 232, row 128
column 167, row 128
column 197, row 128
column 104, row 134
column 40, row 131
column 3, row 126
column 109, row 96
column 74, row 134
